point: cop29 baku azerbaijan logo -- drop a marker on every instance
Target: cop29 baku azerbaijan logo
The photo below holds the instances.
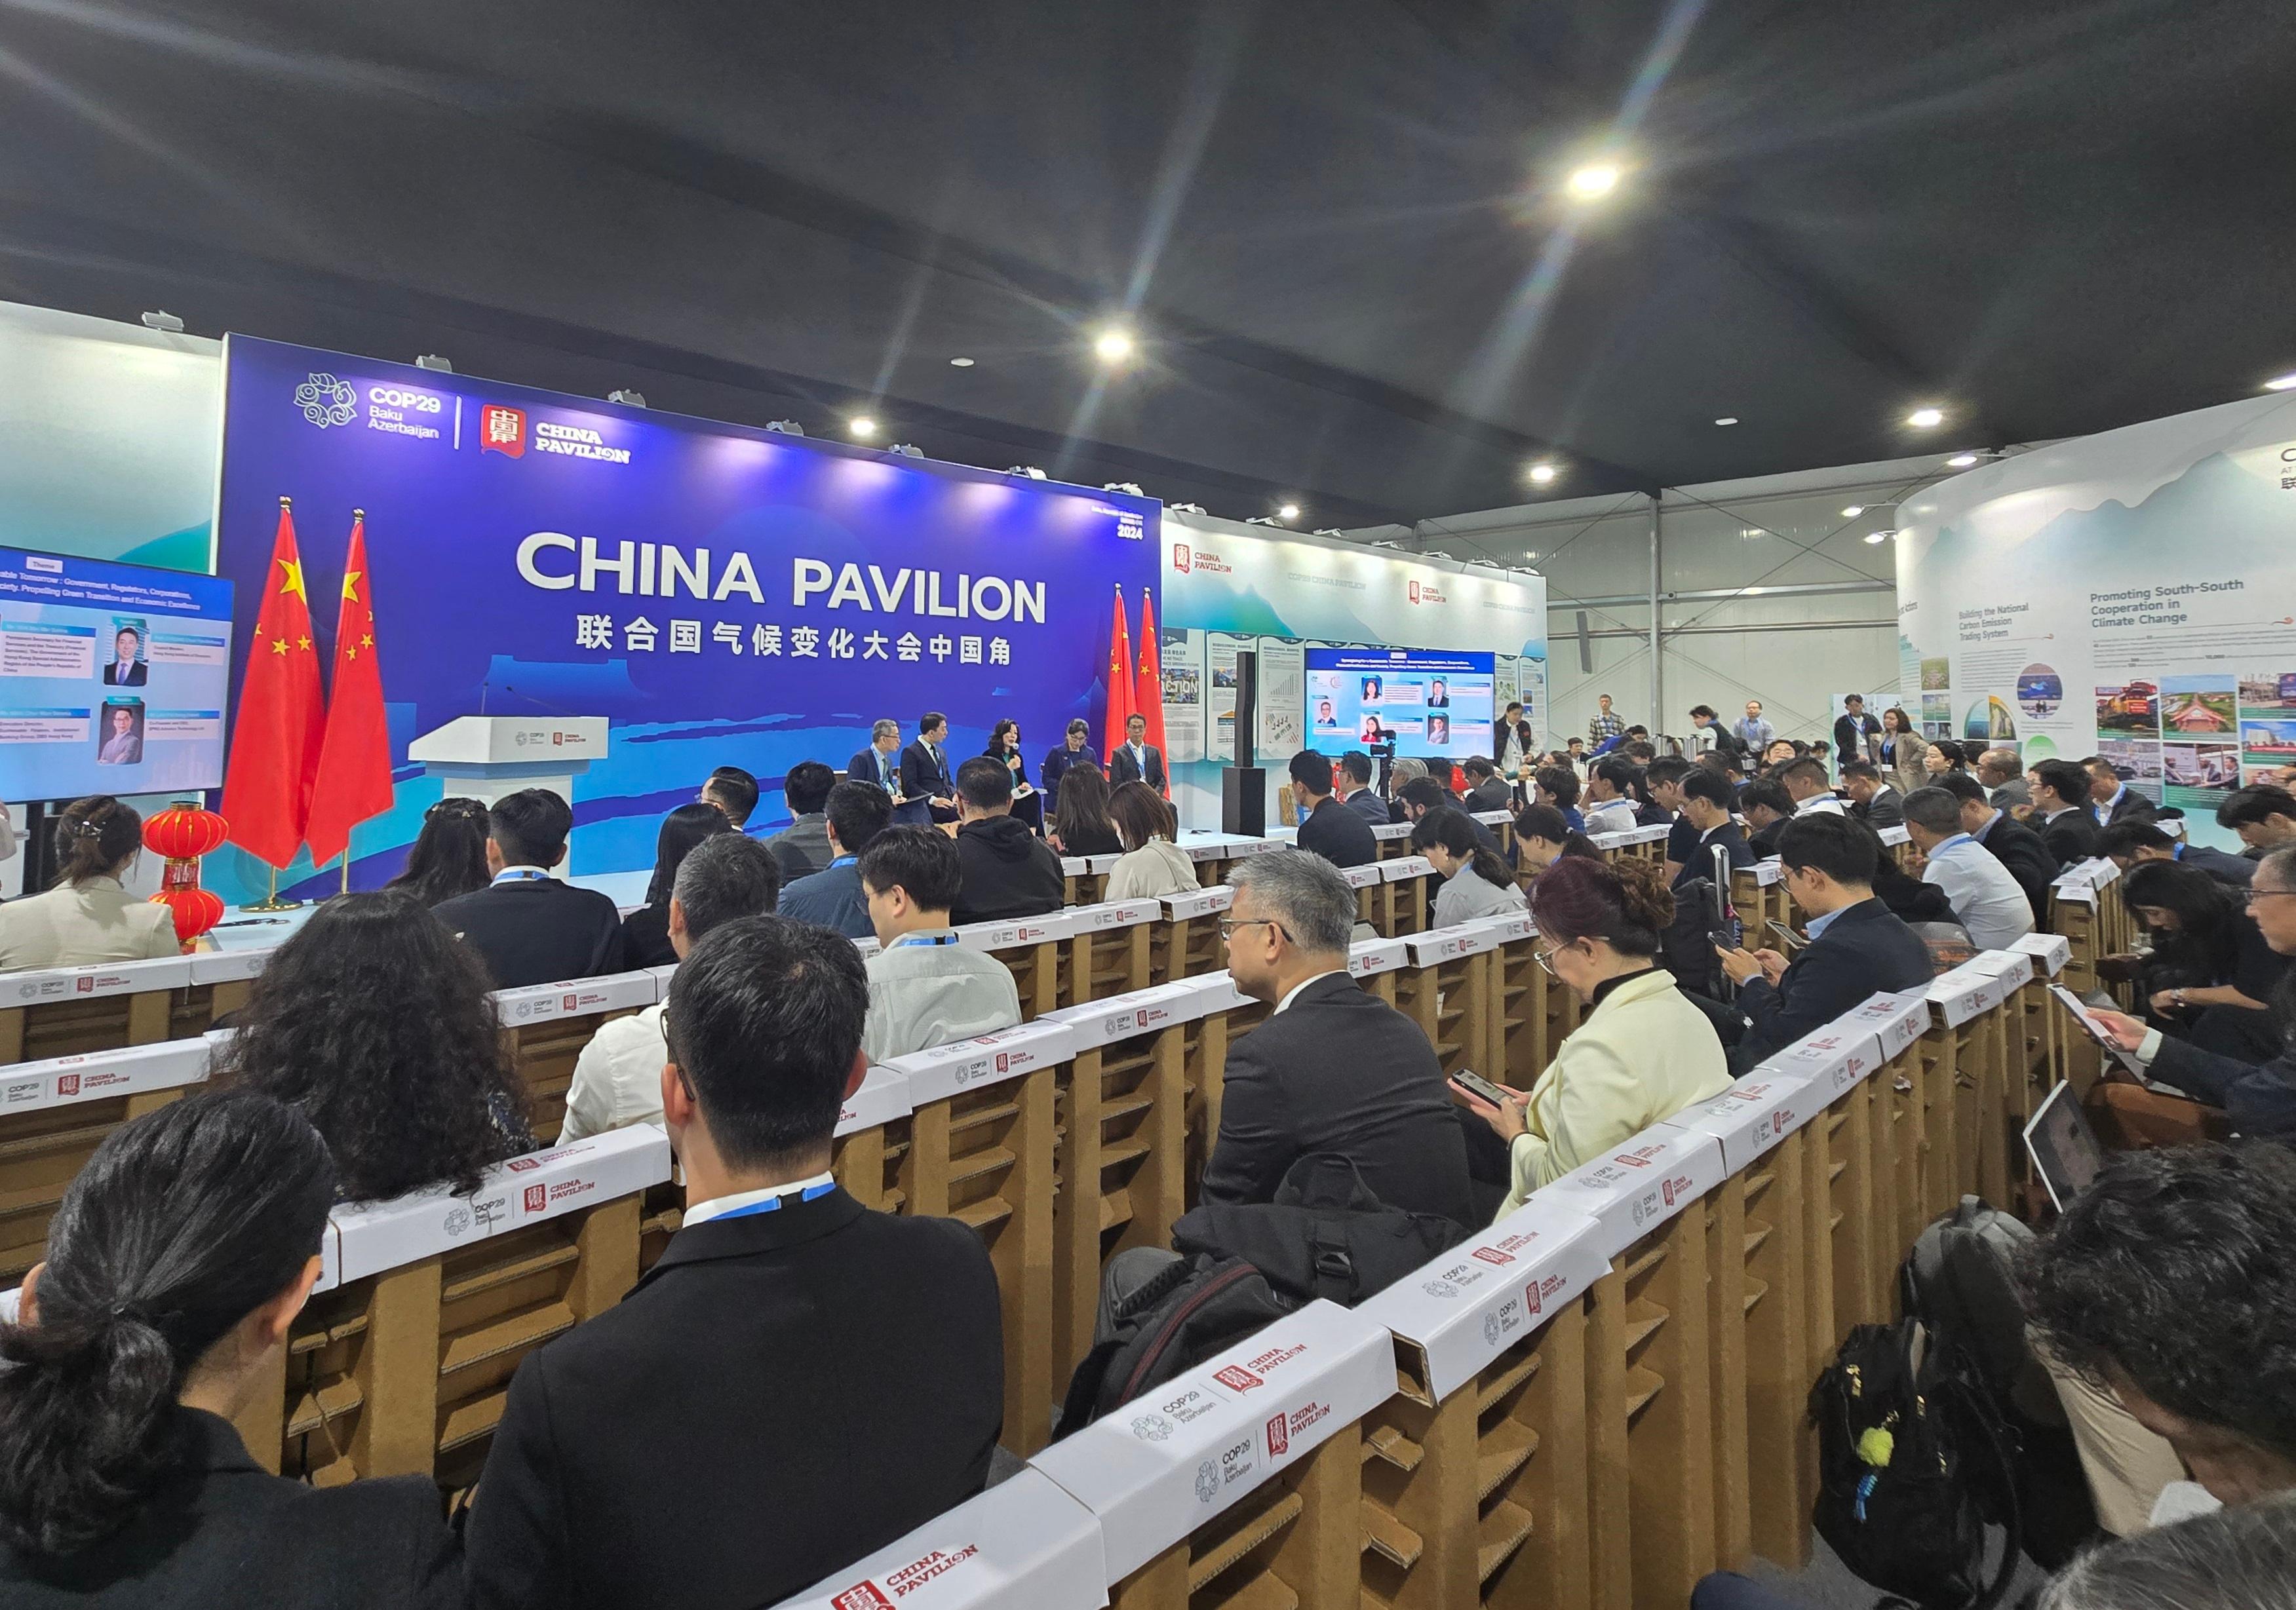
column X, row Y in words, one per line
column 326, row 401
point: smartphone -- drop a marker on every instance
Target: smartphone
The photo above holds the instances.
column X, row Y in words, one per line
column 1731, row 935
column 1787, row 937
column 1476, row 1085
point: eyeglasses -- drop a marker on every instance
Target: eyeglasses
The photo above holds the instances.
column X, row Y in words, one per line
column 1546, row 960
column 2256, row 893
column 1229, row 926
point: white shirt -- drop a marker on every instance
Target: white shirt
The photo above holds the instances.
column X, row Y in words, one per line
column 1292, row 993
column 618, row 1077
column 924, row 993
column 1821, row 805
column 2104, row 808
column 1987, row 900
column 718, row 1207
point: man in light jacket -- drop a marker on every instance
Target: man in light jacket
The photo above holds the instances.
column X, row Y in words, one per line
column 924, row 988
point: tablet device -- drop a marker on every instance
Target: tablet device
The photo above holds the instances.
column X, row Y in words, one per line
column 2097, row 1032
column 2064, row 1149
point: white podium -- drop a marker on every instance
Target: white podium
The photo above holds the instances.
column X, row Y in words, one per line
column 484, row 758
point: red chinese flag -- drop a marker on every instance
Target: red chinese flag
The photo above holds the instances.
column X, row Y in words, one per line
column 1148, row 692
column 1119, row 681
column 354, row 777
column 275, row 747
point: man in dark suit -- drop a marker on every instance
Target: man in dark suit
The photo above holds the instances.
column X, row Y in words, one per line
column 1856, row 945
column 2061, row 791
column 2110, row 800
column 2007, row 840
column 1137, row 757
column 1356, row 792
column 526, row 925
column 881, row 762
column 764, row 1408
column 125, row 669
column 1487, row 791
column 1872, row 801
column 1421, row 794
column 1852, row 728
column 1334, row 1070
column 925, row 775
column 2127, row 843
column 1331, row 830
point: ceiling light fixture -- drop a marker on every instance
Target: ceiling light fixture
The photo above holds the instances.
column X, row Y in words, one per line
column 1594, row 180
column 1961, row 461
column 1112, row 345
column 1728, row 419
column 861, row 427
column 1541, row 474
column 1853, row 512
column 1926, row 419
column 1288, row 511
column 2281, row 382
column 960, row 363
column 1873, row 537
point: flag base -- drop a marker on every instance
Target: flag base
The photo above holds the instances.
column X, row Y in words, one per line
column 272, row 902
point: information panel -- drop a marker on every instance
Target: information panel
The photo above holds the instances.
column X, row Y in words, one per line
column 111, row 677
column 1424, row 702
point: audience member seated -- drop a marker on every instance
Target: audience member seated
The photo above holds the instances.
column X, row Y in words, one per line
column 881, row 762
column 1423, row 795
column 1076, row 749
column 1327, row 826
column 732, row 791
column 1806, row 785
column 2059, row 790
column 1400, row 772
column 618, row 1076
column 2211, row 972
column 526, row 925
column 928, row 792
column 1080, row 824
column 798, row 1381
column 1152, row 864
column 1557, row 787
column 2003, row 777
column 2232, row 1559
column 1855, row 944
column 449, row 856
column 1487, row 791
column 924, row 988
column 2132, row 844
column 1611, row 796
column 2264, row 816
column 2162, row 1300
column 646, row 932
column 1706, row 801
column 1334, row 1070
column 831, row 898
column 1477, row 883
column 2110, row 800
column 2258, row 1098
column 377, row 1026
column 181, row 1255
column 1871, row 800
column 802, row 849
column 1356, row 792
column 2007, row 840
column 1780, row 752
column 1542, row 838
column 1767, row 806
column 88, row 917
column 1643, row 1051
column 1008, row 871
column 1985, row 898
column 1661, row 785
column 1944, row 756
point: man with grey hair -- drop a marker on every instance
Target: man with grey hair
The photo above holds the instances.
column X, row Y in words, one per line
column 1989, row 903
column 1334, row 1070
column 2234, row 1559
column 2004, row 777
column 879, row 762
column 618, row 1077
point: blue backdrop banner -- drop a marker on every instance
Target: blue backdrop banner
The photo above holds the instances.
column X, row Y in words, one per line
column 721, row 596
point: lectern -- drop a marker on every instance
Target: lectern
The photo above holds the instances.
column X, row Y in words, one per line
column 484, row 758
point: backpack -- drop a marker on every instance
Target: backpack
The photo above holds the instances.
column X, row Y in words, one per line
column 1960, row 1281
column 1904, row 1444
column 1160, row 1314
column 1326, row 1234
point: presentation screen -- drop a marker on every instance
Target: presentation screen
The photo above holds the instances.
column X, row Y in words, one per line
column 111, row 677
column 1427, row 703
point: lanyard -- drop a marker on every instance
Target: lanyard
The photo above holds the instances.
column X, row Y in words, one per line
column 519, row 876
column 771, row 1203
column 922, row 939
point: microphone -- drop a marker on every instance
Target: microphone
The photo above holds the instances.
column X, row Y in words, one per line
column 539, row 703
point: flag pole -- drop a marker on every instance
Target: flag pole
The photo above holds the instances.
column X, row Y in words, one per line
column 347, row 869
column 272, row 902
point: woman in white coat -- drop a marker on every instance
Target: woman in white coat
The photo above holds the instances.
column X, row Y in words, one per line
column 1152, row 864
column 1644, row 1052
column 88, row 918
column 1476, row 882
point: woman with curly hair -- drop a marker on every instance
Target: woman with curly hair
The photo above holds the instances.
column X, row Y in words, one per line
column 379, row 1026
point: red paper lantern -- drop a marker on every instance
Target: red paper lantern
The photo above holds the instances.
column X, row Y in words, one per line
column 183, row 833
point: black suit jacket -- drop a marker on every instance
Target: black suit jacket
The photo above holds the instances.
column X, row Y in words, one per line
column 1492, row 794
column 2236, row 871
column 862, row 768
column 538, row 930
column 1863, row 948
column 782, row 1393
column 2072, row 836
column 2259, row 1100
column 1339, row 834
column 1339, row 1071
column 137, row 675
column 922, row 777
column 1886, row 809
column 1121, row 768
column 218, row 1530
column 2018, row 848
column 2131, row 806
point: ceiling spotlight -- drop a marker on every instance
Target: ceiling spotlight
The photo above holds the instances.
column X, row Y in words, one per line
column 1873, row 537
column 167, row 323
column 1594, row 180
column 1288, row 511
column 432, row 361
column 786, row 427
column 1925, row 418
column 1728, row 419
column 960, row 363
column 1961, row 461
column 1541, row 474
column 1853, row 512
column 2282, row 382
column 861, row 427
column 626, row 397
column 1112, row 345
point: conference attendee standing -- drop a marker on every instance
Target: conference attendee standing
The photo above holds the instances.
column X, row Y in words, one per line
column 857, row 813
column 1008, row 871
column 2061, row 791
column 1900, row 758
column 1755, row 734
column 1871, row 800
column 802, row 849
column 526, row 925
column 175, row 1265
column 1153, row 865
column 1707, row 734
column 1643, row 1051
column 1854, row 730
column 88, row 917
column 1076, row 749
column 1856, row 945
column 1477, row 883
column 1988, row 902
column 1328, row 827
column 646, row 932
column 1512, row 740
column 924, row 988
column 765, row 1407
column 618, row 1077
column 2110, row 800
column 1605, row 724
column 1137, row 759
column 1332, row 1071
column 2007, row 840
column 926, row 779
column 879, row 762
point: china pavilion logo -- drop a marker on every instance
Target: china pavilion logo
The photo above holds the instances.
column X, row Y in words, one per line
column 326, row 401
